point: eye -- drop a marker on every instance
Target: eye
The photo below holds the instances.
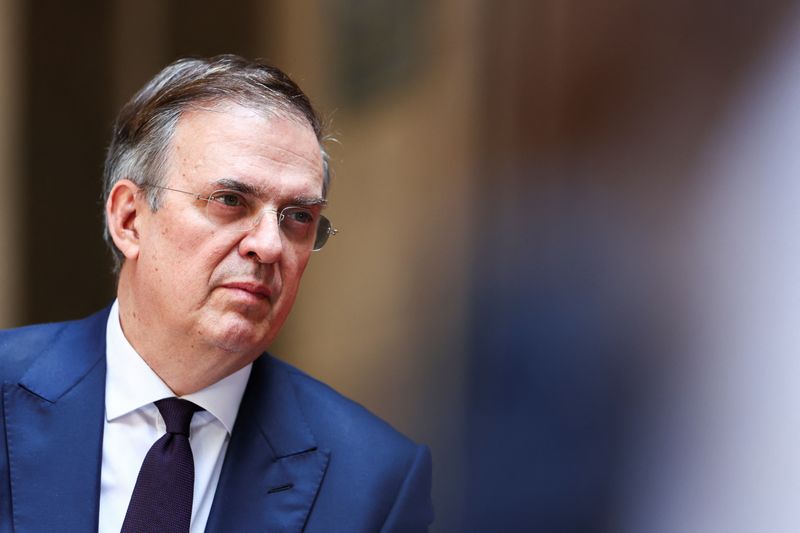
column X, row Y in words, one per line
column 299, row 215
column 228, row 199
column 298, row 223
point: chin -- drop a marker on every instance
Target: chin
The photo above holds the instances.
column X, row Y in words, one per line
column 240, row 335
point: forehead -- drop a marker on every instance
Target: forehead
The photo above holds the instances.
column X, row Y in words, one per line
column 271, row 152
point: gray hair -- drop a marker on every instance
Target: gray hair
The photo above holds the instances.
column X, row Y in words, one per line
column 142, row 133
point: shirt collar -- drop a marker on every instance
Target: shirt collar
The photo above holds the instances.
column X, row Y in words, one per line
column 131, row 384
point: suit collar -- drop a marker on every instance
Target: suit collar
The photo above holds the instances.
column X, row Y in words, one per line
column 278, row 409
column 75, row 350
column 273, row 467
column 54, row 431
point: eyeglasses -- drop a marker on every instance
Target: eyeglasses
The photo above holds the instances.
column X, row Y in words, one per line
column 240, row 212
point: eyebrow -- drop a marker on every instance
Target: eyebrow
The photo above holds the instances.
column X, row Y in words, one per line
column 238, row 186
column 246, row 188
column 309, row 201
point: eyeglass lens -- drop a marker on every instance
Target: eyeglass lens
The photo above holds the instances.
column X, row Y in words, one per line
column 233, row 211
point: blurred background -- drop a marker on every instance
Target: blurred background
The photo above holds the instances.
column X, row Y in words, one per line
column 568, row 230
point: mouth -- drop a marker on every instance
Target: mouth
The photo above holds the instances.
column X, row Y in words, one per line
column 258, row 291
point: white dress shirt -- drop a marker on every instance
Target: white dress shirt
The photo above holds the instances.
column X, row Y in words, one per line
column 133, row 424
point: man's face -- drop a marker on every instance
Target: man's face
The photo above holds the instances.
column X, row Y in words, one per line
column 219, row 288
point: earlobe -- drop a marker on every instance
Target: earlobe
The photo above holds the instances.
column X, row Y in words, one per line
column 121, row 212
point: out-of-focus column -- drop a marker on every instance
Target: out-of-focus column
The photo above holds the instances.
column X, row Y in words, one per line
column 139, row 46
column 10, row 105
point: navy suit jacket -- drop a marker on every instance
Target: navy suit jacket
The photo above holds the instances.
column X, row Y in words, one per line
column 301, row 457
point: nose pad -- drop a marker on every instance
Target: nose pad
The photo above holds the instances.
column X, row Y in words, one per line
column 257, row 220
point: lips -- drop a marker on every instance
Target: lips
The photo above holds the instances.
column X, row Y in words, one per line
column 257, row 290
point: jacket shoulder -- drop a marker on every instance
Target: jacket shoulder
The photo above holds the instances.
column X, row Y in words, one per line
column 373, row 467
column 339, row 421
column 21, row 347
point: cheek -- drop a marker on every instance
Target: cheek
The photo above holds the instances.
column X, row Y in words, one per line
column 292, row 275
column 195, row 252
column 302, row 263
column 184, row 243
column 175, row 266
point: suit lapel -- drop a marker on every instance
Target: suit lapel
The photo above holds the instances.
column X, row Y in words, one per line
column 54, row 430
column 273, row 467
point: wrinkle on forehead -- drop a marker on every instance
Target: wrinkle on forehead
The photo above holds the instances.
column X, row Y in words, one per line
column 270, row 146
column 271, row 112
column 268, row 111
column 282, row 155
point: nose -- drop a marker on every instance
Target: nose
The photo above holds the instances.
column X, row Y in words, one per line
column 264, row 242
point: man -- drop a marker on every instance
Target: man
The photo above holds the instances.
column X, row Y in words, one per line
column 214, row 185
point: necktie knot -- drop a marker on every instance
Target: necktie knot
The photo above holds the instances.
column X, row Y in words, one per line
column 177, row 414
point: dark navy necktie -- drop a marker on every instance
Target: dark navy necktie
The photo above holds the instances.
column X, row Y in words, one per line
column 162, row 498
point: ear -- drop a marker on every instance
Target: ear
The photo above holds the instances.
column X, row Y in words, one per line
column 122, row 208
